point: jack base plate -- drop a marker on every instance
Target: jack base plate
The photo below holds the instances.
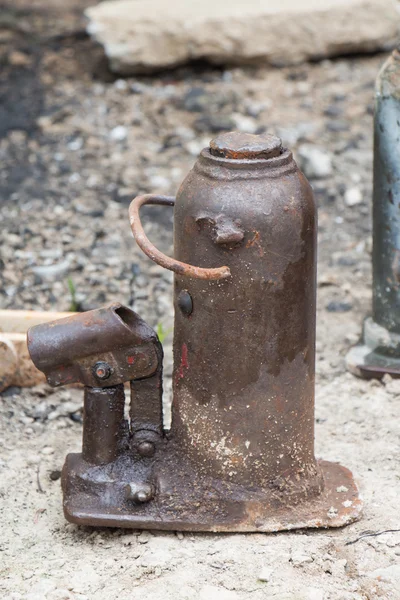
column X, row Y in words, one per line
column 368, row 364
column 96, row 496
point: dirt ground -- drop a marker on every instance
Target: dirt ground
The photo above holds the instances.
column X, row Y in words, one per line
column 76, row 145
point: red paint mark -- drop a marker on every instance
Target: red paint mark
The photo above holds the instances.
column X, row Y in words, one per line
column 180, row 374
column 130, row 360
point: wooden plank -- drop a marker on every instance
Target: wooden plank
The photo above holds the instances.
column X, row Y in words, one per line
column 19, row 321
column 16, row 367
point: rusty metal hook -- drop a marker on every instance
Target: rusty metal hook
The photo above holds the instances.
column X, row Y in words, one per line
column 158, row 257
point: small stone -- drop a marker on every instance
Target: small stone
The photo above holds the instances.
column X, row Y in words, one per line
column 194, row 147
column 299, row 559
column 119, row 133
column 196, row 100
column 47, row 450
column 339, row 307
column 144, row 537
column 19, row 59
column 314, row 161
column 214, row 123
column 51, row 272
column 55, row 475
column 244, row 124
column 265, row 574
column 75, row 144
column 341, row 489
column 65, row 409
column 392, row 385
column 333, row 110
column 337, row 125
column 159, row 182
column 353, row 196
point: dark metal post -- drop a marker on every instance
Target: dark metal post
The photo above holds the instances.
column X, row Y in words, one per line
column 103, row 420
column 379, row 352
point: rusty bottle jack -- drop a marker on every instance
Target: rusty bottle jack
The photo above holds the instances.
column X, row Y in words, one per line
column 379, row 351
column 240, row 452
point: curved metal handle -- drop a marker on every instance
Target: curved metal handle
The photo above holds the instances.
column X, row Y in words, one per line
column 158, row 257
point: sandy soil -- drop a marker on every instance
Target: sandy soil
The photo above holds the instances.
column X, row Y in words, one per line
column 76, row 144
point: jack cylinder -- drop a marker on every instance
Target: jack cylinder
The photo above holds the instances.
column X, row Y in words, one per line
column 379, row 351
column 103, row 419
column 386, row 198
column 244, row 355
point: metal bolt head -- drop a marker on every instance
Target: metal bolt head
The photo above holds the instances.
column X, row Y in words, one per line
column 146, row 449
column 102, row 370
column 139, row 492
column 143, row 496
column 185, row 303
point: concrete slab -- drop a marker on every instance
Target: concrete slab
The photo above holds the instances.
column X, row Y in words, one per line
column 146, row 35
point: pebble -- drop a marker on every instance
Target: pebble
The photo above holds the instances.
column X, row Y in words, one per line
column 214, row 123
column 298, row 559
column 159, row 182
column 196, row 100
column 119, row 133
column 353, row 196
column 65, row 409
column 144, row 537
column 47, row 450
column 244, row 124
column 314, row 161
column 265, row 574
column 33, row 459
column 302, row 131
column 339, row 307
column 19, row 59
column 391, row 385
column 75, row 144
column 51, row 272
column 194, row 147
column 55, row 475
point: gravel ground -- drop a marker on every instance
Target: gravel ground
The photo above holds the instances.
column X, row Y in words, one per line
column 76, row 145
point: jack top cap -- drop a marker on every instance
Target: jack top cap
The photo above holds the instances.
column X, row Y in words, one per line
column 245, row 146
